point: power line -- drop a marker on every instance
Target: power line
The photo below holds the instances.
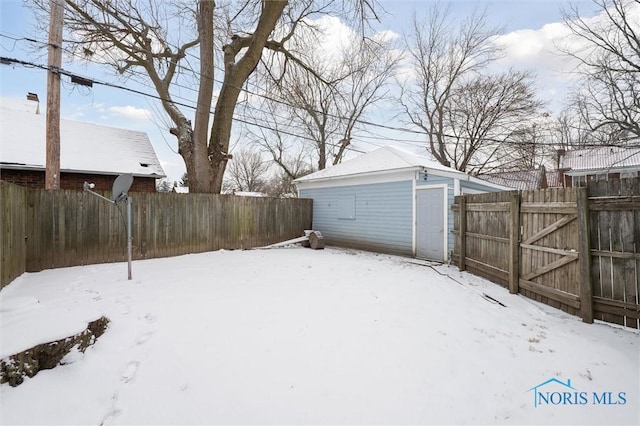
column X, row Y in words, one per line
column 250, row 92
column 88, row 81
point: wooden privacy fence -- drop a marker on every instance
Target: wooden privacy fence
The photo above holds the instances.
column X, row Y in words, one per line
column 534, row 243
column 51, row 229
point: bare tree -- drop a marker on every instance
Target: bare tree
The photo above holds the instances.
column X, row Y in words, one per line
column 369, row 64
column 572, row 130
column 324, row 100
column 531, row 147
column 281, row 185
column 184, row 180
column 311, row 104
column 248, row 171
column 442, row 57
column 164, row 185
column 484, row 118
column 609, row 63
column 141, row 37
column 276, row 139
column 470, row 117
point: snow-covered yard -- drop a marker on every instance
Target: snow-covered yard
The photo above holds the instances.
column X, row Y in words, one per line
column 299, row 336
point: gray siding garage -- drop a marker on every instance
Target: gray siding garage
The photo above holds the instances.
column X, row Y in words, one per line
column 389, row 201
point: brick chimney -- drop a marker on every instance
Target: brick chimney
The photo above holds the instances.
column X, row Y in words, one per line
column 34, row 97
column 560, row 153
column 562, row 179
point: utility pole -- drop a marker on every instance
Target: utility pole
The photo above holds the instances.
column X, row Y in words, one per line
column 52, row 167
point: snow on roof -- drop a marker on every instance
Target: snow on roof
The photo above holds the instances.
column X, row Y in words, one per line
column 21, row 104
column 84, row 147
column 250, row 194
column 383, row 159
column 604, row 158
column 519, row 179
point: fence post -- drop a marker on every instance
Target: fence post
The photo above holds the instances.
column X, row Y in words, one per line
column 584, row 256
column 462, row 234
column 514, row 243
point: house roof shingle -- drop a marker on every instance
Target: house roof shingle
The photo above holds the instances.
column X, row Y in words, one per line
column 520, row 179
column 84, row 147
column 601, row 158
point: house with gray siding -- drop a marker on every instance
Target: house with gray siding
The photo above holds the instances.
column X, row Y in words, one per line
column 390, row 201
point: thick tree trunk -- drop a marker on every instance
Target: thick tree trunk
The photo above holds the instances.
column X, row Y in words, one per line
column 322, row 156
column 236, row 74
column 200, row 166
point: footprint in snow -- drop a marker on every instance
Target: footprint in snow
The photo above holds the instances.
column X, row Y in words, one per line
column 130, row 371
column 124, row 307
column 73, row 285
column 110, row 415
column 144, row 338
column 150, row 318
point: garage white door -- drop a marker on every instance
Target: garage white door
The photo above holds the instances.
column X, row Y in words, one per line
column 430, row 224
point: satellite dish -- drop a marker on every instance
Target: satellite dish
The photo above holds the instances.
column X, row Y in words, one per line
column 121, row 186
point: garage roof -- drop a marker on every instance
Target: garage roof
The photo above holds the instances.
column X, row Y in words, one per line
column 385, row 159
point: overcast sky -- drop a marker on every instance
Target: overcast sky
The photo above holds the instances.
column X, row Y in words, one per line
column 532, row 28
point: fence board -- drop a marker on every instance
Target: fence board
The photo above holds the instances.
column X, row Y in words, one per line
column 551, row 240
column 552, row 293
column 486, row 235
column 66, row 228
column 617, row 227
column 619, row 232
column 13, row 225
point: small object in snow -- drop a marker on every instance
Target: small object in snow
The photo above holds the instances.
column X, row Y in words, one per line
column 486, row 296
column 316, row 240
column 311, row 239
column 307, row 232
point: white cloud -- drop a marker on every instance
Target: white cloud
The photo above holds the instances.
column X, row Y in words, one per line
column 542, row 49
column 538, row 49
column 131, row 112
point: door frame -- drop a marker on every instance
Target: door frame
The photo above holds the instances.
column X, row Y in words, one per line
column 445, row 217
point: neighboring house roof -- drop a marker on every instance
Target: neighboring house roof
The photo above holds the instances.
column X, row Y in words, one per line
column 604, row 158
column 21, row 104
column 84, row 147
column 384, row 160
column 521, row 179
column 249, row 194
column 185, row 190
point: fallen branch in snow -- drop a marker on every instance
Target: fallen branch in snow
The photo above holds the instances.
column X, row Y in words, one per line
column 313, row 239
column 48, row 355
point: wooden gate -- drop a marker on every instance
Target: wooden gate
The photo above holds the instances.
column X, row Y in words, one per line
column 549, row 247
column 576, row 249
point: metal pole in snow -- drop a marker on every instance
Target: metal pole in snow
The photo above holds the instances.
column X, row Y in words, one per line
column 129, row 238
